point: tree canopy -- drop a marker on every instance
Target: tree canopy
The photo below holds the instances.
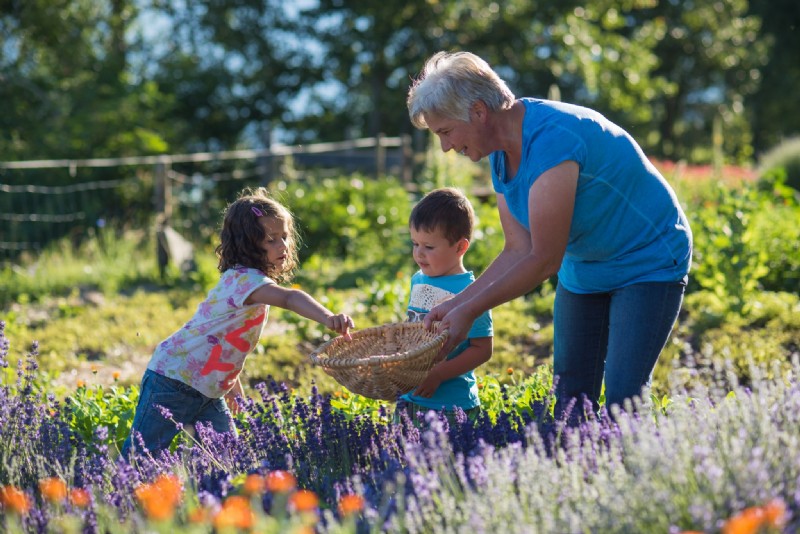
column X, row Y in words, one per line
column 90, row 78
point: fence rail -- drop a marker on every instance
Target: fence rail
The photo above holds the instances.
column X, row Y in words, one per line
column 31, row 215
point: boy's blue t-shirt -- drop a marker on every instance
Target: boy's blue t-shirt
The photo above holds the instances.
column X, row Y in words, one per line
column 627, row 225
column 427, row 292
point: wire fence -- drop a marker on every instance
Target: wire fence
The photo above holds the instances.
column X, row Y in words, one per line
column 181, row 191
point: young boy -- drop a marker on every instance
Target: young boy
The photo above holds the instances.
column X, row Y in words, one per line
column 441, row 229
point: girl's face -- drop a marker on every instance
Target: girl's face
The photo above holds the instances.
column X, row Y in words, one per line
column 434, row 254
column 276, row 240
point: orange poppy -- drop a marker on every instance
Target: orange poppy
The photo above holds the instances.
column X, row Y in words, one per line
column 14, row 500
column 160, row 498
column 748, row 521
column 304, row 501
column 351, row 504
column 235, row 513
column 53, row 489
column 254, row 484
column 79, row 497
column 775, row 513
column 280, row 481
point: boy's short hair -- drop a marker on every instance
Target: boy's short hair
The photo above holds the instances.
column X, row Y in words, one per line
column 447, row 210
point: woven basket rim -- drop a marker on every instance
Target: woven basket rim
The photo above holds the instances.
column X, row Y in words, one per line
column 377, row 360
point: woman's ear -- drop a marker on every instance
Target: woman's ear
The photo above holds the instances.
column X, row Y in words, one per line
column 479, row 110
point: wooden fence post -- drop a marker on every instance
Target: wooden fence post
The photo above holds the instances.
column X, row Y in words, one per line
column 380, row 156
column 407, row 158
column 163, row 206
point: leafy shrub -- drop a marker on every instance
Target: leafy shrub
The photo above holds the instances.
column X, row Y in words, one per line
column 727, row 258
column 786, row 156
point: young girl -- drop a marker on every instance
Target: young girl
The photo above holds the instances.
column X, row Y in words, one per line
column 194, row 373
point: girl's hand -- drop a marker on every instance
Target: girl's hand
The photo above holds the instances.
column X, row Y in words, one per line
column 230, row 397
column 341, row 323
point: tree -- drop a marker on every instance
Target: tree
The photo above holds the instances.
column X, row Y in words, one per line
column 711, row 52
column 234, row 69
column 68, row 88
column 774, row 113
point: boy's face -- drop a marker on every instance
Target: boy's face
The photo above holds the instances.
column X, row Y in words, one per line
column 434, row 254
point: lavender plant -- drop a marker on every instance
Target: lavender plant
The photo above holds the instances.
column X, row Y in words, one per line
column 708, row 460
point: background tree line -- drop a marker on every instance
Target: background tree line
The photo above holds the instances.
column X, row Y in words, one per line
column 94, row 78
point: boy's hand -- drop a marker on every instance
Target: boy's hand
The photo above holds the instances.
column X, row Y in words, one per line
column 341, row 323
column 430, row 384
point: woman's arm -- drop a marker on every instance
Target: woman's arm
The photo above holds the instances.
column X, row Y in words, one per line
column 519, row 268
column 300, row 303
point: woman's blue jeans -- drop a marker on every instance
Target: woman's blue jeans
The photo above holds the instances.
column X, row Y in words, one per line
column 187, row 406
column 616, row 336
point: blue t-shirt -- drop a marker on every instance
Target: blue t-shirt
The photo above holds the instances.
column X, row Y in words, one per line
column 627, row 225
column 427, row 292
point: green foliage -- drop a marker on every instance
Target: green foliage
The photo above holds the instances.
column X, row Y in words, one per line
column 355, row 217
column 94, row 407
column 106, row 260
column 785, row 156
column 727, row 259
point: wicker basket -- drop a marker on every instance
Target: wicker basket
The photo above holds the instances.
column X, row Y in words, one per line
column 381, row 362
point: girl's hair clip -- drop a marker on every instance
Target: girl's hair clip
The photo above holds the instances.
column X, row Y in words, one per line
column 257, row 211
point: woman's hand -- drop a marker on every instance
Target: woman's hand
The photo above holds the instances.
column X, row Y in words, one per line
column 437, row 313
column 341, row 323
column 457, row 321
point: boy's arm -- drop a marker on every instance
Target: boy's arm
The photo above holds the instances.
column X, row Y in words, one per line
column 478, row 353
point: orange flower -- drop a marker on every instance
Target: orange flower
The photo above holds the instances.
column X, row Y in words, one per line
column 115, row 375
column 280, row 481
column 510, row 370
column 160, row 498
column 775, row 513
column 304, row 501
column 748, row 521
column 81, row 384
column 235, row 513
column 14, row 500
column 79, row 497
column 351, row 504
column 254, row 484
column 53, row 489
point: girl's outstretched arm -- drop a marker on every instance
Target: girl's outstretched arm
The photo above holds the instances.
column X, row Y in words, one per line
column 303, row 304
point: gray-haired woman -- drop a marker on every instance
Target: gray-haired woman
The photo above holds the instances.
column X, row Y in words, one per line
column 578, row 198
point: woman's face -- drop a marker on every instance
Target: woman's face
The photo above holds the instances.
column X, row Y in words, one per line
column 458, row 135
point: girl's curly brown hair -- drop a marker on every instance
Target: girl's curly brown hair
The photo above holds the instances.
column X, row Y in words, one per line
column 242, row 235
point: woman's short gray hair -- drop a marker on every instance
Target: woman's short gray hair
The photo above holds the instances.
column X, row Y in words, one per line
column 450, row 83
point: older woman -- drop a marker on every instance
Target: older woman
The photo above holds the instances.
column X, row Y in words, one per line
column 577, row 197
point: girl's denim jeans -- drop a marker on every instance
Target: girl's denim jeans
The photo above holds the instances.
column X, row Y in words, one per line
column 187, row 406
column 616, row 336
